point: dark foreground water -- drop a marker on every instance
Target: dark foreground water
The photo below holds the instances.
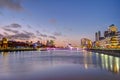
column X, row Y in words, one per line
column 58, row 65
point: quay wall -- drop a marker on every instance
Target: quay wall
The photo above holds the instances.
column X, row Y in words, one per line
column 113, row 52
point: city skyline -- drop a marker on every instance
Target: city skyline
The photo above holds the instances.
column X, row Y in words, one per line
column 65, row 21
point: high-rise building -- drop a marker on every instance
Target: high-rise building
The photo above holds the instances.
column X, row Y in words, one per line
column 106, row 34
column 111, row 38
column 112, row 28
column 97, row 36
column 114, row 40
column 86, row 43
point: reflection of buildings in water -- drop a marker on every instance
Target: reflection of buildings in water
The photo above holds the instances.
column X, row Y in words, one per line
column 5, row 54
column 102, row 61
column 106, row 61
column 116, row 65
column 97, row 59
column 5, row 61
column 113, row 64
column 87, row 59
column 109, row 63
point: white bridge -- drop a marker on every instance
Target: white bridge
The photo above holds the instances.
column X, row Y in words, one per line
column 72, row 48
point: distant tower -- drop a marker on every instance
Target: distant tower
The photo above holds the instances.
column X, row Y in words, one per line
column 99, row 35
column 96, row 36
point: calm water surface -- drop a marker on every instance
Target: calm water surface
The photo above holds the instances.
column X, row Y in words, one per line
column 58, row 65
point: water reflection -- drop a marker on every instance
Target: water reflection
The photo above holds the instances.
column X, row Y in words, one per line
column 108, row 62
column 4, row 61
column 58, row 62
column 87, row 59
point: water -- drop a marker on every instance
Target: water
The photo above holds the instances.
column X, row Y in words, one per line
column 58, row 65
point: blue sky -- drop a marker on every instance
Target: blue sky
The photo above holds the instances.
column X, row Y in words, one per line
column 65, row 21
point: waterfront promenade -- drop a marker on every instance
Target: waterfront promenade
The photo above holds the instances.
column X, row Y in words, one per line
column 114, row 52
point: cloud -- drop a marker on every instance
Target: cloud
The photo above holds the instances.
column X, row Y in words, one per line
column 52, row 20
column 39, row 38
column 57, row 34
column 43, row 35
column 52, row 37
column 10, row 30
column 29, row 26
column 5, row 33
column 1, row 14
column 23, row 36
column 38, row 32
column 14, row 25
column 11, row 4
column 1, row 36
column 70, row 29
column 29, row 33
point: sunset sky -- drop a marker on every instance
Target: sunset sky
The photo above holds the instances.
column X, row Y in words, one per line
column 65, row 21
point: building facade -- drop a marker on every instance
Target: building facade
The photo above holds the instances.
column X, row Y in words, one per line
column 111, row 38
column 86, row 43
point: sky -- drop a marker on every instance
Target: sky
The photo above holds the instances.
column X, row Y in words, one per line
column 64, row 21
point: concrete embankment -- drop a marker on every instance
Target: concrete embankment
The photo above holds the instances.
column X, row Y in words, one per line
column 113, row 52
